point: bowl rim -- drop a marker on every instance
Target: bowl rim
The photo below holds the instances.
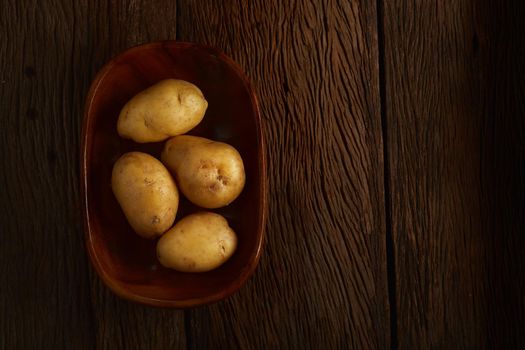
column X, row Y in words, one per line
column 85, row 153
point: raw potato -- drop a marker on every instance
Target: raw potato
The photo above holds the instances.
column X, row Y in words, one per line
column 209, row 173
column 197, row 243
column 146, row 193
column 168, row 108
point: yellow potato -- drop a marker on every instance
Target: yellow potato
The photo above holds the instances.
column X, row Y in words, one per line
column 170, row 107
column 146, row 193
column 209, row 173
column 197, row 243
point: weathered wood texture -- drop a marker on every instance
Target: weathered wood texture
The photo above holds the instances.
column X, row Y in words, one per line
column 454, row 101
column 322, row 280
column 455, row 151
column 49, row 299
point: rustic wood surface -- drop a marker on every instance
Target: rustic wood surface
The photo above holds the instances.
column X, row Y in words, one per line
column 420, row 251
column 454, row 106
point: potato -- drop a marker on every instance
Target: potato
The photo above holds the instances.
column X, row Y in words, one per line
column 168, row 108
column 197, row 243
column 209, row 173
column 146, row 193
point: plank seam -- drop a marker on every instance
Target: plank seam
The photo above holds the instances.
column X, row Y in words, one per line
column 390, row 248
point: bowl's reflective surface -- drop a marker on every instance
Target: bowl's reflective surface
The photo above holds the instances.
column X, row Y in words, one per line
column 126, row 262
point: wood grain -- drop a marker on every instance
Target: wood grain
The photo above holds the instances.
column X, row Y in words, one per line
column 456, row 149
column 322, row 280
column 50, row 51
column 454, row 131
column 43, row 269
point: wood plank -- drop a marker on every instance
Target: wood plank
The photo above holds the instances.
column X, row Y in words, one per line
column 456, row 153
column 44, row 295
column 50, row 52
column 322, row 280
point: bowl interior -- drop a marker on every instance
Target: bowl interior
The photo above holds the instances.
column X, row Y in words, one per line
column 127, row 262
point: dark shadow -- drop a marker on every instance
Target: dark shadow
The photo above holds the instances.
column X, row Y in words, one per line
column 501, row 48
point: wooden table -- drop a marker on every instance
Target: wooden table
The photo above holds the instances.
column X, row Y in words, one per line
column 396, row 148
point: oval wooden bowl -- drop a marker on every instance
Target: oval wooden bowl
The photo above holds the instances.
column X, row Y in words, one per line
column 126, row 262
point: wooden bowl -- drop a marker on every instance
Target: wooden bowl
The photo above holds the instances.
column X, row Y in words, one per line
column 126, row 262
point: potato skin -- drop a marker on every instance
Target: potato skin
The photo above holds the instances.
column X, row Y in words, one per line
column 209, row 173
column 170, row 107
column 146, row 193
column 197, row 243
